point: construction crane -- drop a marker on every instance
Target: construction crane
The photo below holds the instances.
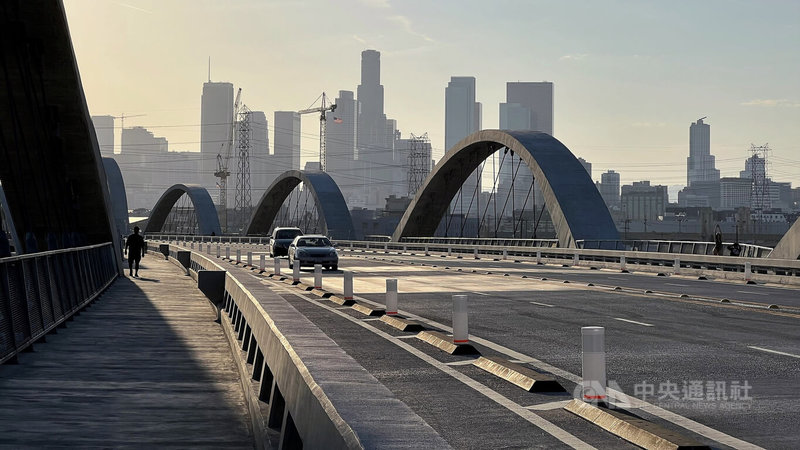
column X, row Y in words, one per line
column 223, row 159
column 322, row 122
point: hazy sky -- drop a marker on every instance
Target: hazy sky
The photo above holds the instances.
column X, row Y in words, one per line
column 630, row 76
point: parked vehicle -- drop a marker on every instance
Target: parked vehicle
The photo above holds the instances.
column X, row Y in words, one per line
column 280, row 240
column 313, row 249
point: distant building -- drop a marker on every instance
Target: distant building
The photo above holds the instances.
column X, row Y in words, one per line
column 286, row 140
column 700, row 194
column 462, row 118
column 700, row 163
column 216, row 115
column 641, row 201
column 262, row 168
column 139, row 160
column 734, row 192
column 340, row 145
column 586, row 165
column 104, row 129
column 609, row 188
column 528, row 106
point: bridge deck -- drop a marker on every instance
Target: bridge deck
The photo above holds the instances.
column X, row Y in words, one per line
column 144, row 366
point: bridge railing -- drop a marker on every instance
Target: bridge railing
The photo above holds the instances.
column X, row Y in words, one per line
column 39, row 291
column 684, row 247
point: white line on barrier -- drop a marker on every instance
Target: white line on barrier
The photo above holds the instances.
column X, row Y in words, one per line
column 633, row 321
column 530, row 416
column 542, row 304
column 548, row 406
column 407, row 337
column 460, row 363
column 773, row 351
column 482, row 293
column 676, row 284
column 370, row 319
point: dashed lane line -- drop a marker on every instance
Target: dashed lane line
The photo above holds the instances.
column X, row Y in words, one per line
column 773, row 351
column 634, row 322
column 542, row 304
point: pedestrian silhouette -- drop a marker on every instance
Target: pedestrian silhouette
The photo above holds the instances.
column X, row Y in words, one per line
column 137, row 247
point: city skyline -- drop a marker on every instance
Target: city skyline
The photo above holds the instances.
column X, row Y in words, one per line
column 620, row 96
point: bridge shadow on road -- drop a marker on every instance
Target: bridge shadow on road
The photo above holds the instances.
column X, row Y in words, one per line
column 144, row 365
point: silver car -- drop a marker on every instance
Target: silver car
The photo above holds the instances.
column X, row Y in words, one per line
column 313, row 249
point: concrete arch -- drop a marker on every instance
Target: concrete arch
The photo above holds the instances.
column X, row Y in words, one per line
column 327, row 197
column 571, row 198
column 119, row 201
column 789, row 245
column 207, row 219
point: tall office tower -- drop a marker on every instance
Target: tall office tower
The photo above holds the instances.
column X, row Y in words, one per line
column 104, row 129
column 340, row 145
column 262, row 171
column 287, row 140
column 586, row 165
column 529, row 106
column 609, row 188
column 462, row 118
column 700, row 163
column 216, row 115
column 375, row 134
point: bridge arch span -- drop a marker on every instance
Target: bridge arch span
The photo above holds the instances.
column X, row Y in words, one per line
column 571, row 198
column 331, row 207
column 206, row 212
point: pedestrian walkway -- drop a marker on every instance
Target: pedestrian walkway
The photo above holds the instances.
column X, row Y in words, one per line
column 144, row 366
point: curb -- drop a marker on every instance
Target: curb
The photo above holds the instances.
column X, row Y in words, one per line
column 521, row 376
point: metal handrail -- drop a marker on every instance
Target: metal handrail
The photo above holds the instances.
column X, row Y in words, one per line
column 39, row 291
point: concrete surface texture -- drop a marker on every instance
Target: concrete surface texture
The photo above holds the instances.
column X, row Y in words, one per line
column 789, row 245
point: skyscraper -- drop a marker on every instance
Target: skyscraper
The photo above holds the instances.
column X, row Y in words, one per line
column 287, row 140
column 529, row 106
column 462, row 118
column 340, row 145
column 104, row 129
column 375, row 133
column 609, row 188
column 700, row 163
column 216, row 115
column 262, row 168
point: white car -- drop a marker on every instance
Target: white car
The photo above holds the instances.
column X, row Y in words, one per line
column 312, row 249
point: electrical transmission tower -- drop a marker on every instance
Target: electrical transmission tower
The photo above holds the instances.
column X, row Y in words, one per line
column 243, row 199
column 418, row 164
column 759, row 187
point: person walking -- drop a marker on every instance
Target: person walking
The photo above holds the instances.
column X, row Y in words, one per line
column 138, row 248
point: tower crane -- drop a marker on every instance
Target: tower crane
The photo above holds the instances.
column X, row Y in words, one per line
column 223, row 159
column 322, row 122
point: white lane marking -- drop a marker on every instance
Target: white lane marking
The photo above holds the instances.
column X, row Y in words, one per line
column 548, row 406
column 773, row 351
column 619, row 397
column 493, row 395
column 677, row 284
column 481, row 293
column 633, row 321
column 542, row 304
column 753, row 293
column 371, row 319
column 460, row 363
column 407, row 337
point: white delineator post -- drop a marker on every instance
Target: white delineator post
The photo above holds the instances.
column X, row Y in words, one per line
column 295, row 272
column 623, row 266
column 391, row 296
column 217, row 250
column 449, row 251
column 276, row 264
column 262, row 262
column 576, row 259
column 593, row 364
column 538, row 257
column 208, row 248
column 249, row 258
column 475, row 253
column 238, row 256
column 227, row 252
column 348, row 285
column 317, row 276
column 427, row 253
column 405, row 248
column 460, row 319
column 676, row 266
column 191, row 245
column 748, row 271
column 505, row 254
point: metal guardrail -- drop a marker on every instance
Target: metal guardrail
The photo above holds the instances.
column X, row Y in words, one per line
column 39, row 291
